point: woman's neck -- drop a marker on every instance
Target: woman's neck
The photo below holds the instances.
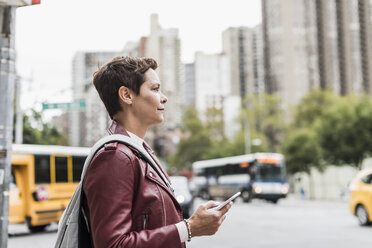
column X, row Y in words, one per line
column 131, row 125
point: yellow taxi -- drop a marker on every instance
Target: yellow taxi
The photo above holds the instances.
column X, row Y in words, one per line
column 361, row 197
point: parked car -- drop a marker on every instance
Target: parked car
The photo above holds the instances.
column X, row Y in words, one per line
column 181, row 188
column 361, row 197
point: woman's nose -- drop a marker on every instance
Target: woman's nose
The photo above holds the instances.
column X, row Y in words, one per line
column 164, row 99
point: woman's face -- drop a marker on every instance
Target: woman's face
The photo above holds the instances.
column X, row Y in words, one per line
column 149, row 104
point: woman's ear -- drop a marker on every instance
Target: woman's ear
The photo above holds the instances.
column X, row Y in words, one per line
column 125, row 95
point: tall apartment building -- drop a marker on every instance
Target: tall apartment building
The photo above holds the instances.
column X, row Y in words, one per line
column 189, row 84
column 317, row 44
column 258, row 61
column 243, row 48
column 290, row 61
column 365, row 34
column 237, row 44
column 88, row 125
column 164, row 46
column 211, row 81
column 135, row 48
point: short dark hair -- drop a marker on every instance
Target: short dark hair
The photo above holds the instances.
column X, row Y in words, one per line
column 120, row 71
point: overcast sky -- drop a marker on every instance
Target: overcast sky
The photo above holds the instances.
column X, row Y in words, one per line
column 49, row 34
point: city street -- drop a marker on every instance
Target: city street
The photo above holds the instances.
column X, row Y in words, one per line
column 291, row 223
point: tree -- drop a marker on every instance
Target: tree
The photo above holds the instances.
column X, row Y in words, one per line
column 35, row 131
column 301, row 145
column 215, row 123
column 265, row 120
column 345, row 132
column 196, row 143
column 302, row 151
column 312, row 107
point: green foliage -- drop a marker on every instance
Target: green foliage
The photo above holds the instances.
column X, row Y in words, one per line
column 301, row 146
column 35, row 131
column 333, row 129
column 265, row 120
column 191, row 122
column 225, row 148
column 203, row 140
column 345, row 132
column 196, row 143
column 302, row 150
column 215, row 123
column 312, row 107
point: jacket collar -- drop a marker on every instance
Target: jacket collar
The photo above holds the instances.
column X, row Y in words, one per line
column 116, row 128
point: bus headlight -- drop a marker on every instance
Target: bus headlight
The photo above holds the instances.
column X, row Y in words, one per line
column 180, row 199
column 284, row 190
column 257, row 190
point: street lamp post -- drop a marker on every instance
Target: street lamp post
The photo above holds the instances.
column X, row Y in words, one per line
column 247, row 135
column 7, row 82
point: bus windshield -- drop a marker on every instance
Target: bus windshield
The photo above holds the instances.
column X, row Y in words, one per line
column 269, row 171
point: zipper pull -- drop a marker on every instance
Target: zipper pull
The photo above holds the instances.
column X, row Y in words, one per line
column 144, row 221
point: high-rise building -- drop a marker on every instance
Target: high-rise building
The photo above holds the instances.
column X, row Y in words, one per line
column 365, row 34
column 164, row 46
column 87, row 126
column 243, row 48
column 258, row 61
column 189, row 86
column 317, row 44
column 344, row 45
column 237, row 45
column 135, row 48
column 289, row 29
column 211, row 81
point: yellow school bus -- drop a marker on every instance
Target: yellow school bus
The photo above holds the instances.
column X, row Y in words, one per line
column 44, row 179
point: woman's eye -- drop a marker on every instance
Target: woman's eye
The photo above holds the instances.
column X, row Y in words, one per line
column 157, row 89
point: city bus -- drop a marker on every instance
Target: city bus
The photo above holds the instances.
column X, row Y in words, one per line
column 43, row 180
column 258, row 175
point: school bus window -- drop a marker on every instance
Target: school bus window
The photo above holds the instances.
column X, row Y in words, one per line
column 61, row 169
column 77, row 167
column 42, row 169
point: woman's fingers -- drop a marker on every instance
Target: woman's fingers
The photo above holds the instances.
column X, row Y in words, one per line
column 210, row 204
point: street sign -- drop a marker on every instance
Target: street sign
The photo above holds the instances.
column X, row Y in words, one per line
column 76, row 105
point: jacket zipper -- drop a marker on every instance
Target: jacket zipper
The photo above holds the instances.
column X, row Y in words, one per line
column 162, row 199
column 144, row 221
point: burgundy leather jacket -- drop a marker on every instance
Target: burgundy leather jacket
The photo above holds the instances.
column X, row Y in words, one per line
column 126, row 202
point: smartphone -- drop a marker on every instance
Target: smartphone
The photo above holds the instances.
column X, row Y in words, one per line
column 221, row 205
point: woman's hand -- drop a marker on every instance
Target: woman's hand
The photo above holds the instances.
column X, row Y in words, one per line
column 206, row 221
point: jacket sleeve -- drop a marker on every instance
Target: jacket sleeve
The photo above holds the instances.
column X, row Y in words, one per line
column 108, row 186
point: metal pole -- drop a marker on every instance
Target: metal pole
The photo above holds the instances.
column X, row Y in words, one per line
column 19, row 114
column 7, row 81
column 247, row 135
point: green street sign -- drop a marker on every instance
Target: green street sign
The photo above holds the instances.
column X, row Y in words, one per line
column 76, row 105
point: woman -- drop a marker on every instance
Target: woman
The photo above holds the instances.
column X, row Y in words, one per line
column 127, row 202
